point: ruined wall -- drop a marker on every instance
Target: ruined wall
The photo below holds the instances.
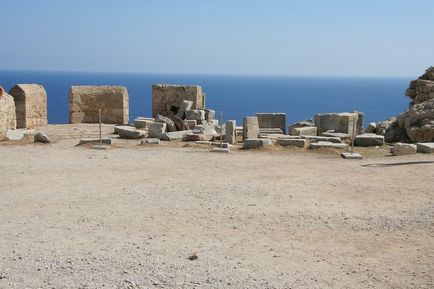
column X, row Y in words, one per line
column 30, row 104
column 84, row 102
column 340, row 122
column 7, row 113
column 166, row 98
column 422, row 89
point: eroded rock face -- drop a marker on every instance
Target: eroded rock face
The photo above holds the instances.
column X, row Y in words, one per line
column 422, row 89
column 7, row 113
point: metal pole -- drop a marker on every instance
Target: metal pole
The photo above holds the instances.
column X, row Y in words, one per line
column 100, row 133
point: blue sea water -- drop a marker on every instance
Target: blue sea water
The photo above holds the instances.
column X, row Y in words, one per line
column 301, row 97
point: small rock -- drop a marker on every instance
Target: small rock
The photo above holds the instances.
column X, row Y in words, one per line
column 41, row 137
column 193, row 257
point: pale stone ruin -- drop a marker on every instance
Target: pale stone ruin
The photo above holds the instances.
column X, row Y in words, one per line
column 30, row 104
column 85, row 101
column 7, row 113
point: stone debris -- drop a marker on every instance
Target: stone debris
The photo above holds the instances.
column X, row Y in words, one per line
column 170, row 124
column 175, row 135
column 372, row 127
column 209, row 114
column 272, row 120
column 339, row 122
column 351, row 156
column 198, row 137
column 185, row 105
column 301, row 143
column 7, row 113
column 130, row 132
column 426, row 148
column 400, row 149
column 179, row 123
column 195, row 114
column 303, row 123
column 84, row 102
column 207, row 128
column 270, row 131
column 143, row 123
column 230, row 134
column 278, row 136
column 220, row 150
column 151, row 141
column 321, row 139
column 257, row 143
column 30, row 105
column 328, row 145
column 368, row 140
column 155, row 130
column 191, row 123
column 117, row 127
column 16, row 134
column 306, row 130
column 341, row 135
column 41, row 137
column 250, row 127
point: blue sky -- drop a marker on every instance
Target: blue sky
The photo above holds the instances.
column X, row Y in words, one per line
column 273, row 37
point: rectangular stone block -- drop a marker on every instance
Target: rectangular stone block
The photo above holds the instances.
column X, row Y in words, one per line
column 368, row 140
column 84, row 102
column 231, row 127
column 175, row 135
column 339, row 122
column 30, row 104
column 301, row 143
column 250, row 127
column 307, row 130
column 328, row 145
column 426, row 148
column 7, row 115
column 400, row 149
column 156, row 129
column 272, row 120
column 167, row 99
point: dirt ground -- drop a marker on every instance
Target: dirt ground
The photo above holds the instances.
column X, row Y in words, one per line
column 133, row 217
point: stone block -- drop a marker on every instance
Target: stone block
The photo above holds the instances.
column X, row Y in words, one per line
column 198, row 137
column 400, row 149
column 339, row 122
column 170, row 124
column 301, row 143
column 30, row 105
column 191, row 123
column 142, row 123
column 321, row 138
column 130, row 133
column 371, row 127
column 41, row 137
column 195, row 114
column 156, row 129
column 270, row 131
column 209, row 114
column 341, row 135
column 167, row 99
column 84, row 102
column 328, row 145
column 368, row 140
column 307, row 130
column 8, row 113
column 151, row 141
column 230, row 136
column 105, row 140
column 272, row 120
column 250, row 127
column 185, row 105
column 303, row 123
column 175, row 135
column 257, row 143
column 426, row 148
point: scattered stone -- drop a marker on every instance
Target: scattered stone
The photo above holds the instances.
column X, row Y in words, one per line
column 16, row 134
column 321, row 138
column 400, row 149
column 179, row 123
column 351, row 156
column 175, row 135
column 151, row 141
column 30, row 105
column 272, row 120
column 372, row 127
column 270, row 131
column 195, row 114
column 426, row 148
column 41, row 137
column 301, row 143
column 339, row 122
column 170, row 125
column 167, row 99
column 198, row 137
column 208, row 128
column 209, row 114
column 303, row 123
column 342, row 136
column 328, row 145
column 130, row 133
column 279, row 136
column 143, row 123
column 155, row 130
column 382, row 126
column 191, row 123
column 185, row 105
column 250, row 127
column 368, row 140
column 193, row 257
column 230, row 135
column 256, row 143
column 107, row 141
column 307, row 130
column 220, row 150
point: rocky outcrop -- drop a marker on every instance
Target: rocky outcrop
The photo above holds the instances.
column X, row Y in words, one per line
column 422, row 89
column 7, row 113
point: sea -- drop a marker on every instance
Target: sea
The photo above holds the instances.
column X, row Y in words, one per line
column 234, row 96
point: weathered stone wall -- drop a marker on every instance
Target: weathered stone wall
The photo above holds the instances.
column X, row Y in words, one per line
column 84, row 102
column 7, row 113
column 167, row 99
column 272, row 120
column 30, row 104
column 339, row 122
column 422, row 89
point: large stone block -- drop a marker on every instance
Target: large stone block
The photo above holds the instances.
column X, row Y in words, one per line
column 400, row 149
column 257, row 143
column 301, row 143
column 156, row 129
column 272, row 120
column 339, row 122
column 369, row 140
column 170, row 124
column 7, row 113
column 307, row 130
column 84, row 102
column 426, row 148
column 30, row 105
column 250, row 127
column 167, row 99
column 231, row 127
column 175, row 135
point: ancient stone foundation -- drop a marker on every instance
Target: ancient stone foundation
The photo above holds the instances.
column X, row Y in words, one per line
column 167, row 99
column 30, row 104
column 339, row 122
column 272, row 120
column 7, row 113
column 84, row 102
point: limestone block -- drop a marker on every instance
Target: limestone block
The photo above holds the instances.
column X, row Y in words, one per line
column 195, row 114
column 230, row 136
column 167, row 99
column 84, row 102
column 191, row 123
column 287, row 142
column 250, row 127
column 307, row 130
column 185, row 105
column 198, row 137
column 368, row 140
column 328, row 145
column 140, row 123
column 41, row 137
column 170, row 124
column 7, row 113
column 339, row 122
column 175, row 135
column 321, row 138
column 30, row 105
column 130, row 133
column 371, row 127
column 209, row 114
column 400, row 149
column 156, row 129
column 426, row 148
column 179, row 123
column 270, row 131
column 303, row 123
column 257, row 143
column 272, row 120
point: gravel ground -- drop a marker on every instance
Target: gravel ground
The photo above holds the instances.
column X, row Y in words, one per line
column 169, row 216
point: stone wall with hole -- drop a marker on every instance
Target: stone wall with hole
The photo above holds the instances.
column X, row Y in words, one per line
column 167, row 99
column 30, row 105
column 85, row 101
